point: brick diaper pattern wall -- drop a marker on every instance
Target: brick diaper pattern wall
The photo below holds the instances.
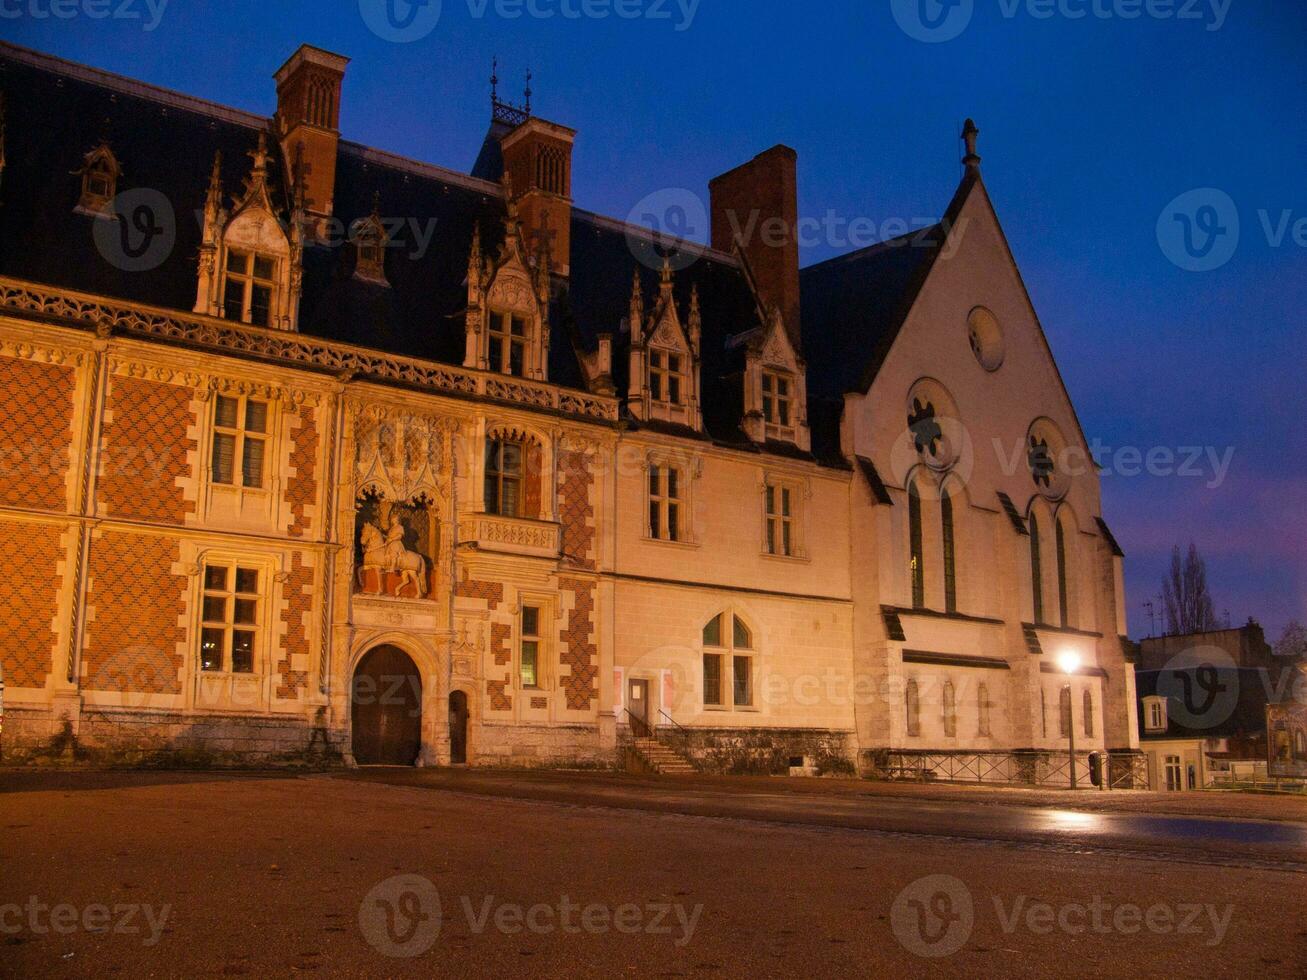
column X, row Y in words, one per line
column 302, row 488
column 29, row 601
column 145, row 451
column 579, row 652
column 575, row 511
column 134, row 603
column 299, row 606
column 496, row 690
column 36, row 411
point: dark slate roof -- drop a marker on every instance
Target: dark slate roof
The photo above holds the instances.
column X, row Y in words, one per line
column 853, row 306
column 1240, row 712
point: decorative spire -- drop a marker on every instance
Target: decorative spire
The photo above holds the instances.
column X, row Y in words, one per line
column 665, row 276
column 695, row 318
column 2, row 134
column 494, row 81
column 529, row 76
column 637, row 306
column 969, row 133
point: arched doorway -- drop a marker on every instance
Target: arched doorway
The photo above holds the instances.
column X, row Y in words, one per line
column 386, row 697
column 458, row 728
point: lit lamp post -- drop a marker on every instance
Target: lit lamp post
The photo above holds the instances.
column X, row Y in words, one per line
column 1069, row 661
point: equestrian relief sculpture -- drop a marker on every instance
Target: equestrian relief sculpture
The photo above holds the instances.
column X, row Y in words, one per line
column 384, row 552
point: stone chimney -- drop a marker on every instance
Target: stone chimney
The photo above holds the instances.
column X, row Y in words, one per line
column 307, row 121
column 538, row 163
column 756, row 206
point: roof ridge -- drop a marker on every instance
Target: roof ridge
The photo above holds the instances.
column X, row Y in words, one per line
column 872, row 248
column 130, row 86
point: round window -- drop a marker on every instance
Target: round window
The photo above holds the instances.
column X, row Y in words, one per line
column 986, row 338
column 1046, row 458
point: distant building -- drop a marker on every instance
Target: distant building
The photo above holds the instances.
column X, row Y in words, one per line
column 1245, row 646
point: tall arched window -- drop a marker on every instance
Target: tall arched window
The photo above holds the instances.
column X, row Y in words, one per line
column 982, row 709
column 1036, row 570
column 1089, row 713
column 912, row 701
column 950, row 703
column 917, row 564
column 950, row 553
column 1064, row 703
column 723, row 653
column 1062, row 600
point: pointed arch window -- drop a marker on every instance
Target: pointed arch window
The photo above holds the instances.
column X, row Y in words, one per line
column 912, row 703
column 950, row 553
column 982, row 709
column 719, row 656
column 1064, row 705
column 916, row 551
column 99, row 172
column 1063, row 602
column 1089, row 713
column 950, row 705
column 1036, row 570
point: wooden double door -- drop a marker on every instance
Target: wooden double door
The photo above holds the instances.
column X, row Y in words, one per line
column 386, row 696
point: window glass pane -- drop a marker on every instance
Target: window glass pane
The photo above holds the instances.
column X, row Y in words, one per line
column 519, row 327
column 673, row 363
column 246, row 610
column 674, row 389
column 238, row 261
column 224, row 457
column 712, row 633
column 252, row 465
column 771, row 537
column 242, row 652
column 654, row 481
column 215, row 609
column 673, row 521
column 530, row 663
column 743, row 638
column 262, row 267
column 496, row 355
column 786, row 543
column 512, row 458
column 712, row 678
column 785, row 502
column 510, row 498
column 211, row 641
column 767, row 383
column 517, row 360
column 530, row 621
column 261, row 305
column 655, row 525
column 256, row 416
column 655, row 386
column 672, row 489
column 233, row 299
column 224, row 412
column 215, row 577
column 785, row 412
column 743, row 682
column 771, row 500
column 247, row 580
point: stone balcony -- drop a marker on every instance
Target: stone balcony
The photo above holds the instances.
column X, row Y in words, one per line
column 511, row 535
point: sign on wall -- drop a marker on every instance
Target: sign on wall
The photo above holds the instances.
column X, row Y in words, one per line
column 1286, row 731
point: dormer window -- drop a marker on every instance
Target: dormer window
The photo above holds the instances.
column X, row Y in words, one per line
column 250, row 287
column 776, row 399
column 99, row 173
column 1155, row 714
column 370, row 241
column 665, row 377
column 507, row 350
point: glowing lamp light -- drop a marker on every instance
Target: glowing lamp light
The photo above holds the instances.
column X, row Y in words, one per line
column 1069, row 661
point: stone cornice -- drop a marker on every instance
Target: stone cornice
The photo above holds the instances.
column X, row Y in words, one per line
column 293, row 349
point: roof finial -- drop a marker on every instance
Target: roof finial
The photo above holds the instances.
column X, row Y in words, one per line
column 529, row 76
column 969, row 133
column 494, row 79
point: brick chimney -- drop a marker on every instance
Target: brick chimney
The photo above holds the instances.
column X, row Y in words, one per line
column 307, row 121
column 538, row 161
column 757, row 205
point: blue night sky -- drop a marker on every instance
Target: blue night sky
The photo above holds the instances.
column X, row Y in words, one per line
column 1090, row 127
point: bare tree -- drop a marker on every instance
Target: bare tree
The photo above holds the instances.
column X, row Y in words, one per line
column 1189, row 606
column 1293, row 644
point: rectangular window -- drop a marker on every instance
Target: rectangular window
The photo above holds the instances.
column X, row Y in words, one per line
column 776, row 398
column 240, row 432
column 664, row 503
column 780, row 520
column 665, row 377
column 530, row 654
column 712, row 678
column 249, row 288
column 230, row 618
column 743, row 681
column 507, row 353
column 504, row 477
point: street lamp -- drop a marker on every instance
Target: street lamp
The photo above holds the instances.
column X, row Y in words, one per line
column 1069, row 661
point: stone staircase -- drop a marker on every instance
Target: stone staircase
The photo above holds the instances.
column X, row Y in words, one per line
column 660, row 758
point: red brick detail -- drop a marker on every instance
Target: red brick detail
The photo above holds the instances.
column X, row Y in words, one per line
column 579, row 652
column 575, row 511
column 469, row 588
column 135, row 603
column 36, row 436
column 538, row 703
column 302, row 488
column 298, row 607
column 497, row 690
column 29, row 601
column 145, row 451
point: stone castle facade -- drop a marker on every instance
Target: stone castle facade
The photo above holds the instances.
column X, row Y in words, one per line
column 279, row 486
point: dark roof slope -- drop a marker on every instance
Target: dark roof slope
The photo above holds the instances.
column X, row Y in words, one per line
column 1238, row 697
